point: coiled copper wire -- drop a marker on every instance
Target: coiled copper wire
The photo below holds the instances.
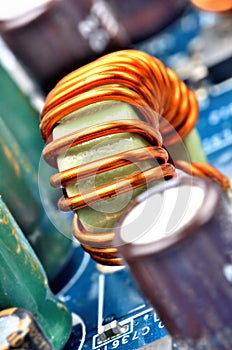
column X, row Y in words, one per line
column 204, row 170
column 142, row 81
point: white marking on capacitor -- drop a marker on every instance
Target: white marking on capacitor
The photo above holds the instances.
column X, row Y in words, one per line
column 227, row 271
column 101, row 290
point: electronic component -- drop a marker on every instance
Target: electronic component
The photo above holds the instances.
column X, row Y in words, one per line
column 176, row 239
column 20, row 153
column 24, row 283
column 143, row 18
column 19, row 330
column 82, row 125
column 20, row 105
column 110, row 330
column 77, row 32
column 20, row 193
column 207, row 60
column 218, row 62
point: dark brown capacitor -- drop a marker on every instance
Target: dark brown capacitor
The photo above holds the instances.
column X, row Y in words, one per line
column 143, row 18
column 57, row 36
column 177, row 241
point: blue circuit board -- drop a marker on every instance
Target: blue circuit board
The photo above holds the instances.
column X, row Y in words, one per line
column 215, row 127
column 98, row 298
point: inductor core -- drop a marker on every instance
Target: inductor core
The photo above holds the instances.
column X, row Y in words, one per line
column 168, row 112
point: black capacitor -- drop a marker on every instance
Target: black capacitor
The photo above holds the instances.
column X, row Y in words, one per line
column 183, row 263
column 19, row 330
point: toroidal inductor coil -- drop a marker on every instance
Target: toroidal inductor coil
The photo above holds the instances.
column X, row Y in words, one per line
column 117, row 100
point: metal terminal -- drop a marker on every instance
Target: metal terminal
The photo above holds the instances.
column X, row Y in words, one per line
column 111, row 330
column 19, row 330
column 215, row 49
column 210, row 54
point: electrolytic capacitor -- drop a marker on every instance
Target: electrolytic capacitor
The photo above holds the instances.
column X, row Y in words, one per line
column 143, row 18
column 25, row 285
column 16, row 108
column 19, row 330
column 177, row 241
column 20, row 192
column 20, row 168
column 54, row 37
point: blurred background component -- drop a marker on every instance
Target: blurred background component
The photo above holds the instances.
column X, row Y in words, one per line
column 25, row 285
column 212, row 5
column 54, row 37
column 19, row 330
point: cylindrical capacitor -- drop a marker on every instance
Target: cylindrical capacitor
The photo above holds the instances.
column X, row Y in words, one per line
column 19, row 330
column 21, row 194
column 177, row 241
column 16, row 109
column 55, row 37
column 24, row 283
column 143, row 18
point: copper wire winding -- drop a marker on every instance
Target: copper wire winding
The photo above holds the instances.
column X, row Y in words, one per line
column 142, row 81
column 206, row 170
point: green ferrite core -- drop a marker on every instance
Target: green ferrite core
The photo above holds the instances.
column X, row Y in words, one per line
column 101, row 216
column 190, row 149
